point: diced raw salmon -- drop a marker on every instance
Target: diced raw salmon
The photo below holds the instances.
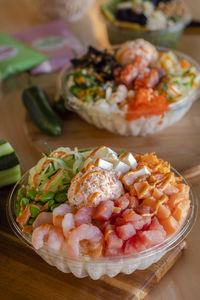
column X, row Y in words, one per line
column 163, row 212
column 103, row 211
column 132, row 191
column 174, row 199
column 133, row 201
column 143, row 209
column 120, row 221
column 183, row 188
column 112, row 240
column 181, row 210
column 151, row 238
column 157, row 194
column 155, row 225
column 142, row 189
column 122, row 202
column 171, row 189
column 151, row 202
column 170, row 225
column 125, row 231
column 133, row 246
column 135, row 219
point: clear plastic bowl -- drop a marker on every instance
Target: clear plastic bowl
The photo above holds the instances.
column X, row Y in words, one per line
column 119, row 32
column 116, row 122
column 95, row 268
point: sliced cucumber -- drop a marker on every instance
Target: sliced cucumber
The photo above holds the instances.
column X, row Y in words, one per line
column 5, row 148
column 9, row 165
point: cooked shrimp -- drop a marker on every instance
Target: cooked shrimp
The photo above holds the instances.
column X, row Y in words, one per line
column 83, row 215
column 55, row 239
column 59, row 212
column 53, row 236
column 68, row 224
column 85, row 232
column 129, row 50
column 40, row 235
column 43, row 218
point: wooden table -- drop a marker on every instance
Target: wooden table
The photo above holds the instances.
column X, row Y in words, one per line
column 182, row 282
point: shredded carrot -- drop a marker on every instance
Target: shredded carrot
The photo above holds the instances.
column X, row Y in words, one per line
column 184, row 64
column 47, row 185
column 80, row 80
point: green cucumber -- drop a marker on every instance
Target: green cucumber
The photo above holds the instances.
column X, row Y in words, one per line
column 10, row 171
column 36, row 103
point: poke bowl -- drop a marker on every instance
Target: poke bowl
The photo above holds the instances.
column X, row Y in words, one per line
column 132, row 89
column 129, row 210
column 160, row 22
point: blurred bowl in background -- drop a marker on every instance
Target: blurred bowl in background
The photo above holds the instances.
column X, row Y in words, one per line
column 70, row 10
column 120, row 32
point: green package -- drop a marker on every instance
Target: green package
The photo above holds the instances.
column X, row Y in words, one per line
column 16, row 57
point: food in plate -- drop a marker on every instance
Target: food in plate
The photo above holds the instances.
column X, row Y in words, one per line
column 158, row 21
column 97, row 204
column 154, row 15
column 135, row 89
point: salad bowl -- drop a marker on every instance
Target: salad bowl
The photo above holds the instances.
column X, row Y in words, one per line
column 115, row 120
column 95, row 267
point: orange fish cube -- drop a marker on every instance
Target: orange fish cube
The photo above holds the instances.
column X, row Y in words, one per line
column 170, row 225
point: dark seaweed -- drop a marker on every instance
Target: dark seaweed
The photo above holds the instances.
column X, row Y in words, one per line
column 102, row 62
column 128, row 15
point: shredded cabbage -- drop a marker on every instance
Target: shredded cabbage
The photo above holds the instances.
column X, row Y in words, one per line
column 71, row 161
